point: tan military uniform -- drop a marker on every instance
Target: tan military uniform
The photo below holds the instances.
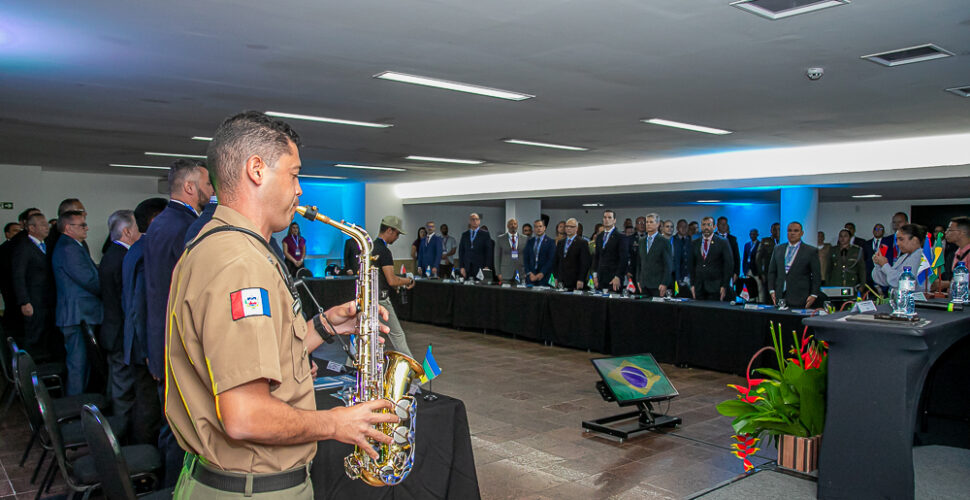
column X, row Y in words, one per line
column 232, row 320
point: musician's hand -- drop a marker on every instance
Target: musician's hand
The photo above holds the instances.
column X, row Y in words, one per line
column 355, row 424
column 313, row 368
column 344, row 318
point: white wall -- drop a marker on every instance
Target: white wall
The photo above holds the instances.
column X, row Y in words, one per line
column 865, row 214
column 102, row 194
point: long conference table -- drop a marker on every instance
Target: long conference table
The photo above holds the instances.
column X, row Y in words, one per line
column 712, row 335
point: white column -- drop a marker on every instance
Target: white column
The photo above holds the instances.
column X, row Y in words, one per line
column 521, row 210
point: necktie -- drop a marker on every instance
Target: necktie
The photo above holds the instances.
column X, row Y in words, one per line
column 707, row 246
column 650, row 242
column 43, row 247
column 606, row 237
column 474, row 233
column 538, row 242
column 569, row 241
column 513, row 242
column 790, row 256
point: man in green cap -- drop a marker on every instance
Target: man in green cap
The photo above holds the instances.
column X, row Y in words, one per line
column 390, row 231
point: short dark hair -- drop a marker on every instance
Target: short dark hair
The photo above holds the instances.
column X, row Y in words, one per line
column 526, row 224
column 243, row 135
column 694, row 222
column 26, row 213
column 6, row 228
column 962, row 222
column 773, row 224
column 147, row 210
column 180, row 170
column 800, row 226
column 65, row 216
column 38, row 215
column 66, row 203
column 915, row 230
column 719, row 219
column 610, row 211
column 904, row 214
column 848, row 224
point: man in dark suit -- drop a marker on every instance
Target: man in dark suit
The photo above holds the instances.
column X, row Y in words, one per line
column 892, row 247
column 11, row 325
column 123, row 232
column 475, row 248
column 859, row 242
column 762, row 260
column 633, row 244
column 870, row 248
column 681, row 243
column 78, row 296
column 655, row 260
column 33, row 284
column 750, row 250
column 67, row 205
column 611, row 255
column 429, row 251
column 572, row 259
column 146, row 416
column 540, row 256
column 794, row 273
column 190, row 190
column 711, row 264
column 724, row 231
column 510, row 254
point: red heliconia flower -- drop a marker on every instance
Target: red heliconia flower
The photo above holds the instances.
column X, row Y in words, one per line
column 745, row 392
column 745, row 448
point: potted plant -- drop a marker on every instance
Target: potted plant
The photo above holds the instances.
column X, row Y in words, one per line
column 787, row 405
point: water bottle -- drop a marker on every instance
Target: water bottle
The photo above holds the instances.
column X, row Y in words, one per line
column 959, row 290
column 905, row 305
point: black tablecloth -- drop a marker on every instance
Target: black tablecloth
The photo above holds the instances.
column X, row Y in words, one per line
column 876, row 377
column 443, row 467
column 711, row 335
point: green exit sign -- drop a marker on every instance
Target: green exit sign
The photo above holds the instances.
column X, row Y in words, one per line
column 6, row 205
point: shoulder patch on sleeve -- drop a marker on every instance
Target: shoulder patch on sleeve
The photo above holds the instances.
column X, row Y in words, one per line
column 249, row 302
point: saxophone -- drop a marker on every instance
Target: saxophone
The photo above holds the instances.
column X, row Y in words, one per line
column 380, row 374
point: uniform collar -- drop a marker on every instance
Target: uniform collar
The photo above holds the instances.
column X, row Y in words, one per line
column 229, row 216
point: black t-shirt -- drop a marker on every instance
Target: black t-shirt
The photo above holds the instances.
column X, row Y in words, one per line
column 384, row 258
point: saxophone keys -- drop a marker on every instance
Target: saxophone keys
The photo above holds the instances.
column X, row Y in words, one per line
column 400, row 435
column 403, row 409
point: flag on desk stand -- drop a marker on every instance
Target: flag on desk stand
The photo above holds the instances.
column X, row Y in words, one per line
column 517, row 277
column 676, row 289
column 403, row 270
column 925, row 259
column 744, row 293
column 431, row 370
column 552, row 281
column 589, row 284
column 631, row 287
column 936, row 264
column 479, row 276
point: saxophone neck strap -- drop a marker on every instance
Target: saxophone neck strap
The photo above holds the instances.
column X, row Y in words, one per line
column 255, row 236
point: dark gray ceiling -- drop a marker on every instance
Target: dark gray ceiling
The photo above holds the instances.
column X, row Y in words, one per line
column 85, row 84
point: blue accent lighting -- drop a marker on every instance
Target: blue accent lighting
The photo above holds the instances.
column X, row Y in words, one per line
column 339, row 200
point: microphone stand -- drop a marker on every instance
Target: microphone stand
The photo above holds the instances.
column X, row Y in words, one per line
column 327, row 337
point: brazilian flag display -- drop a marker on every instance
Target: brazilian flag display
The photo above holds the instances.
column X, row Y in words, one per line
column 634, row 377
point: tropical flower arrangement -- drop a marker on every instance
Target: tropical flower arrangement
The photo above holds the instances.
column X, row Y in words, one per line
column 788, row 400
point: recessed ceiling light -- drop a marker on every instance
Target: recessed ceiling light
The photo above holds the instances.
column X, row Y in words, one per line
column 544, row 145
column 201, row 138
column 963, row 91
column 592, row 204
column 687, row 126
column 708, row 201
column 779, row 9
column 444, row 160
column 324, row 119
column 311, row 176
column 449, row 85
column 369, row 167
column 867, row 196
column 122, row 165
column 909, row 55
column 174, row 155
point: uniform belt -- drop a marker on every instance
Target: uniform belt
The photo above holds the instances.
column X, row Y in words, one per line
column 236, row 482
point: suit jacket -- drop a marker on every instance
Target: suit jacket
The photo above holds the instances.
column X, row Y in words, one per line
column 747, row 260
column 633, row 248
column 541, row 262
column 429, row 253
column 504, row 263
column 31, row 277
column 78, row 286
column 802, row 279
column 134, row 304
column 204, row 218
column 351, row 255
column 867, row 253
column 681, row 249
column 474, row 255
column 11, row 313
column 611, row 261
column 164, row 245
column 572, row 266
column 713, row 272
column 655, row 266
column 113, row 327
column 762, row 258
column 735, row 254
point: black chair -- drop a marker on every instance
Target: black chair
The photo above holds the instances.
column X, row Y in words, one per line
column 96, row 356
column 63, row 410
column 108, row 459
column 50, row 373
column 9, row 387
column 81, row 474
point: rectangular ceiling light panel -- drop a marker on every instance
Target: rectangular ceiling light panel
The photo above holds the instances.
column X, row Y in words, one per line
column 522, row 142
column 444, row 160
column 780, row 9
column 909, row 55
column 449, row 85
column 687, row 126
column 324, row 119
column 960, row 91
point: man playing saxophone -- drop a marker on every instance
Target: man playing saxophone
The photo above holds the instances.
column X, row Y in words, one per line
column 238, row 390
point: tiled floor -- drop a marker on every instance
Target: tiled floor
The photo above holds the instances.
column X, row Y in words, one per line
column 525, row 402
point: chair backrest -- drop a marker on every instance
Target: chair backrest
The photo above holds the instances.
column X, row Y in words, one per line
column 25, row 369
column 110, row 464
column 46, row 411
column 6, row 356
